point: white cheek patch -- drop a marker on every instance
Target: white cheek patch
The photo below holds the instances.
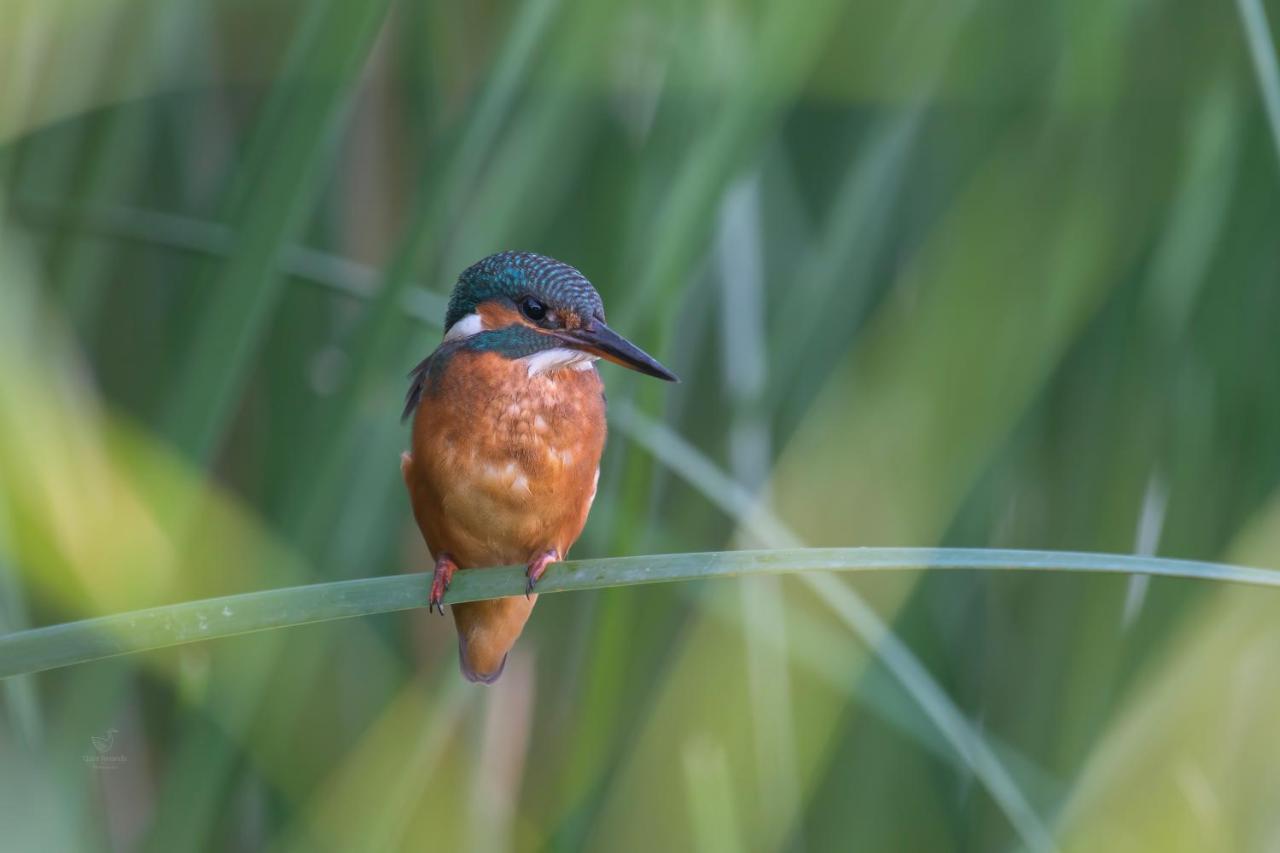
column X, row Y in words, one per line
column 465, row 328
column 554, row 359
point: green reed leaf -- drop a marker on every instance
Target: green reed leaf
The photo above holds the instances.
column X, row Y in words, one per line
column 159, row 627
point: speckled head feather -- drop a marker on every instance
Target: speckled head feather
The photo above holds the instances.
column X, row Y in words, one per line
column 512, row 275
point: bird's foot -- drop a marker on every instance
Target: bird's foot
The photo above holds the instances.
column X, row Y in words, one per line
column 538, row 568
column 445, row 567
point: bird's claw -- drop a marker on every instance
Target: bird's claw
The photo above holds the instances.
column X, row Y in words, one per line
column 538, row 568
column 440, row 580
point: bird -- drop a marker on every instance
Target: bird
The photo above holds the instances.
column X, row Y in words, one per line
column 508, row 427
column 104, row 744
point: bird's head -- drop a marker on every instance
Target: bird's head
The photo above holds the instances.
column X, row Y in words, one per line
column 540, row 309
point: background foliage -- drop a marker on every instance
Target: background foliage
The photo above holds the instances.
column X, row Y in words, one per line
column 983, row 273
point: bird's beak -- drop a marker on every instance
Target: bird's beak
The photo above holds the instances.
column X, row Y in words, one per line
column 599, row 339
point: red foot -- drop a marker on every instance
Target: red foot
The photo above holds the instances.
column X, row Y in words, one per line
column 538, row 568
column 445, row 567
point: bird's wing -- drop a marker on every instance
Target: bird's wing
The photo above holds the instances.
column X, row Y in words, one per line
column 430, row 368
column 418, row 377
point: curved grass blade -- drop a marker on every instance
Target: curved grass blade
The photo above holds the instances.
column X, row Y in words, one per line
column 1253, row 17
column 758, row 522
column 188, row 234
column 267, row 202
column 19, row 693
column 745, row 352
column 93, row 639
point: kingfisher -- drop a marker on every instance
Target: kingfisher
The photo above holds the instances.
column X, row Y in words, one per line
column 508, row 429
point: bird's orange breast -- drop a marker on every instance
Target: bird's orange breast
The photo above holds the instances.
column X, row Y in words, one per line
column 504, row 465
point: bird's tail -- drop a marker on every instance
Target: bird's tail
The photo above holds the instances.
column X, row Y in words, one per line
column 486, row 632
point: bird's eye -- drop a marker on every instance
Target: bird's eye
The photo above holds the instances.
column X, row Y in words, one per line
column 533, row 309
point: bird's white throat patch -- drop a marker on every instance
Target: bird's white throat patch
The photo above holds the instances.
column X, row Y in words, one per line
column 553, row 359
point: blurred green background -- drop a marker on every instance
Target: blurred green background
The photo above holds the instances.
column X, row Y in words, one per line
column 983, row 273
